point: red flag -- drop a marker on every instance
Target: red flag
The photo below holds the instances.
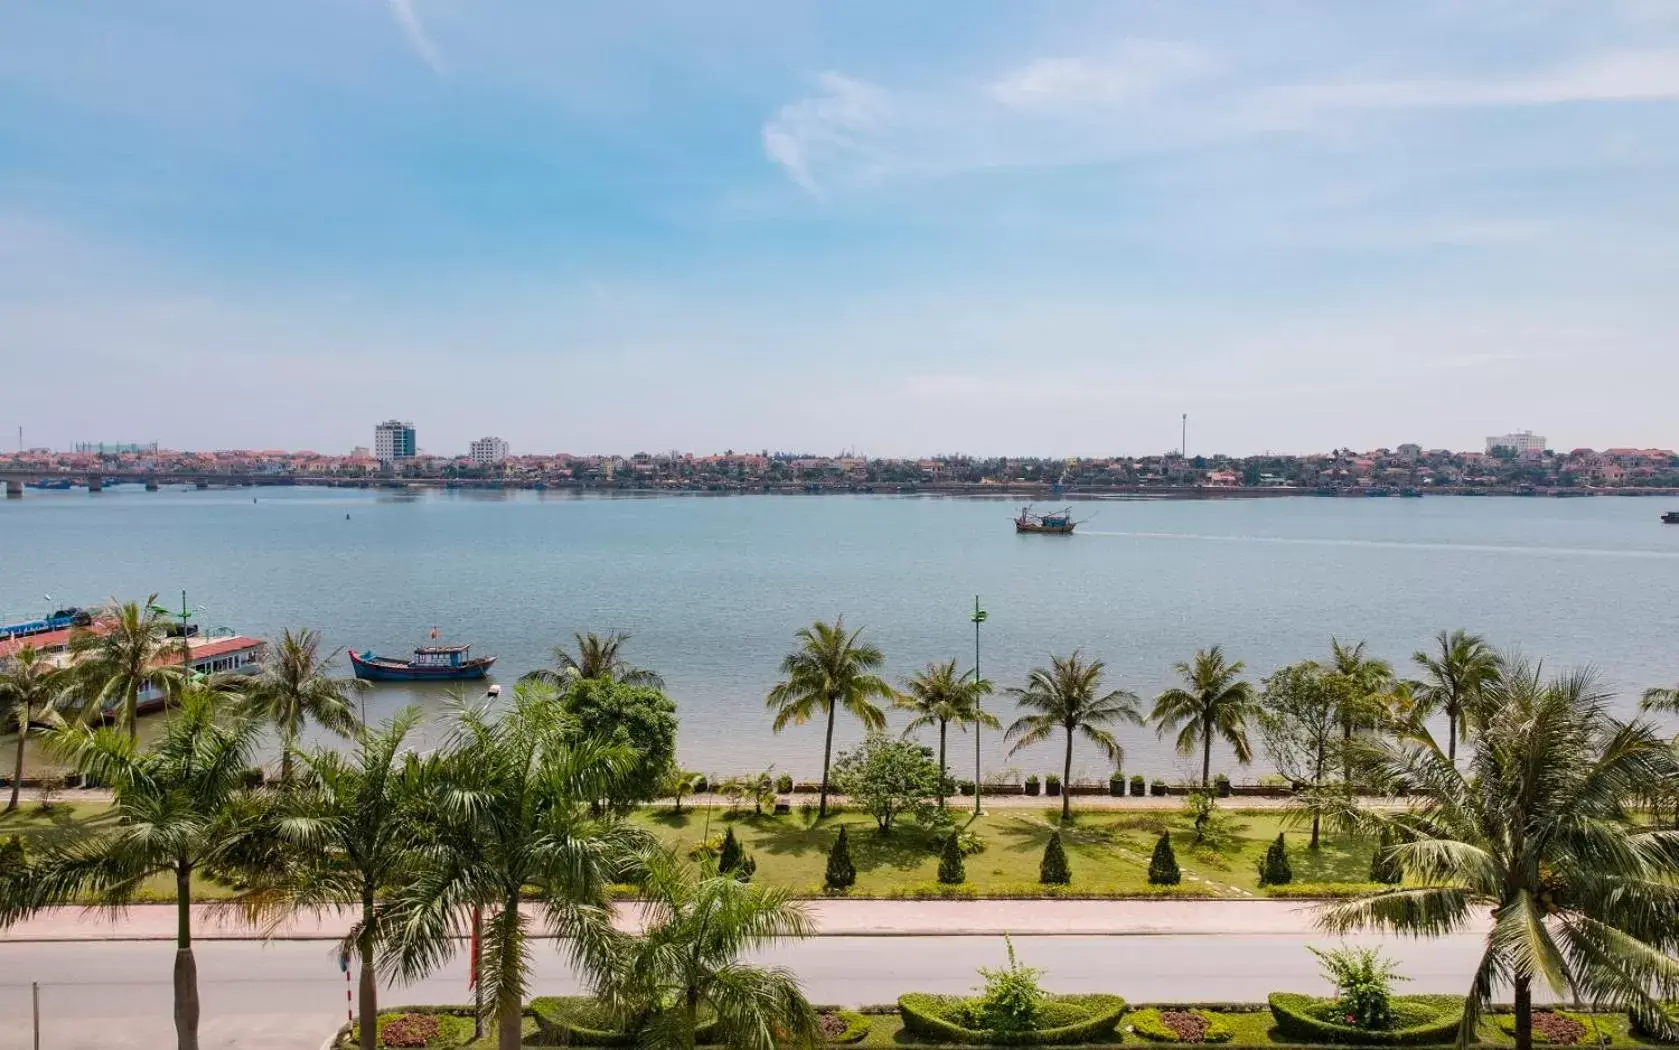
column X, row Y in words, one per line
column 434, row 634
column 477, row 943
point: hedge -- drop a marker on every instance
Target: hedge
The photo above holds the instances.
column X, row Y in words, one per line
column 936, row 1017
column 1644, row 1031
column 1148, row 1025
column 1295, row 1017
column 856, row 1027
column 577, row 1020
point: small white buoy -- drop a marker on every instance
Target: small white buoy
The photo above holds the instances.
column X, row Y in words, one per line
column 495, row 690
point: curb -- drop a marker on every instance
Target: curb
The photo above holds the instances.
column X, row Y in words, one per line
column 829, row 935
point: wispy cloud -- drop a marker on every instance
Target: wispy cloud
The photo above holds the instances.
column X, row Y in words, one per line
column 408, row 20
column 844, row 117
column 1137, row 71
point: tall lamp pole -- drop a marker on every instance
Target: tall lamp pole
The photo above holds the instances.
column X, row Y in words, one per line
column 978, row 618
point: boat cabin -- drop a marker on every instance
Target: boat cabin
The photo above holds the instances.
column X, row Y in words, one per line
column 440, row 656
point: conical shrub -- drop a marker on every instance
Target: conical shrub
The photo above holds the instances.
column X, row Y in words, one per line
column 1163, row 866
column 841, row 874
column 1274, row 869
column 1384, row 866
column 1053, row 871
column 951, row 870
column 729, row 858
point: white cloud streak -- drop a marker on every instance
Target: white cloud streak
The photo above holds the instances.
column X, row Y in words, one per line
column 408, row 20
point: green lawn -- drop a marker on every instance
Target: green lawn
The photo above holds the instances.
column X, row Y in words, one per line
column 35, row 825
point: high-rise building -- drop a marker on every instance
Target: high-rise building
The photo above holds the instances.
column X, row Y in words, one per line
column 488, row 451
column 1519, row 442
column 393, row 441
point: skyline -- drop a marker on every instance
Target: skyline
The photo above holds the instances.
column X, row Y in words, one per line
column 1043, row 229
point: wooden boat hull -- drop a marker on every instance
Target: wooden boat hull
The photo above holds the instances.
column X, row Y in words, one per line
column 379, row 669
column 1671, row 518
column 1053, row 530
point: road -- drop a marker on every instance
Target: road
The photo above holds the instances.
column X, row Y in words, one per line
column 289, row 995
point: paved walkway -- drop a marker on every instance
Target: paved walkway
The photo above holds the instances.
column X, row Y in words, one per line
column 835, row 918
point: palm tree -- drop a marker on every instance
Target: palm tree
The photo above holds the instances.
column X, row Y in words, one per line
column 1667, row 701
column 688, row 963
column 1067, row 695
column 939, row 696
column 508, row 819
column 829, row 670
column 597, row 657
column 292, row 686
column 30, row 684
column 179, row 811
column 1363, row 682
column 1536, row 829
column 351, row 834
column 1213, row 701
column 1660, row 698
column 1454, row 676
column 125, row 651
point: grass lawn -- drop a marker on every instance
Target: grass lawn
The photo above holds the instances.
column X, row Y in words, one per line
column 35, row 826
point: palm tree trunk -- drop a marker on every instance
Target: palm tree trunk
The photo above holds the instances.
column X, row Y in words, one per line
column 510, row 993
column 131, row 712
column 186, row 967
column 944, row 772
column 691, row 1017
column 1451, row 735
column 1066, row 781
column 285, row 765
column 1524, row 1013
column 1317, row 782
column 17, row 771
column 1206, row 753
column 368, row 994
column 827, row 756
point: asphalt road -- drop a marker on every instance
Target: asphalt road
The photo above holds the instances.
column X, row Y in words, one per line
column 289, row 995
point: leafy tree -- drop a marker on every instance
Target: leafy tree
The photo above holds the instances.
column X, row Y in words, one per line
column 1363, row 684
column 1052, row 870
column 1300, row 722
column 677, row 782
column 1454, row 676
column 829, row 670
column 1384, row 866
column 598, row 658
column 889, row 777
column 638, row 718
column 1163, row 865
column 291, row 686
column 511, row 818
column 952, row 872
column 1536, row 830
column 30, row 685
column 1067, row 695
column 689, row 963
column 1212, row 702
column 939, row 696
column 179, row 809
column 125, row 651
column 1274, row 868
column 841, row 873
column 730, row 856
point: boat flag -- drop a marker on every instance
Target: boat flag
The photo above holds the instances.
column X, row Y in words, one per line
column 434, row 634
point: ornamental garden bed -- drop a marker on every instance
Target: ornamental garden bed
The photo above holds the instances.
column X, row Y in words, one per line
column 1418, row 1020
column 417, row 1028
column 1179, row 1026
column 1560, row 1028
column 1065, row 1020
column 577, row 1020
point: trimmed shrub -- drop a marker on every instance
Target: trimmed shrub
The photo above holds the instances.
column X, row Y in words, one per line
column 701, row 785
column 1137, row 785
column 731, row 856
column 951, row 871
column 1274, row 868
column 856, row 1027
column 1032, row 784
column 13, row 856
column 1067, row 1020
column 1116, row 784
column 784, row 784
column 1221, row 786
column 966, row 787
column 1163, row 866
column 1384, row 868
column 1052, row 785
column 1324, row 890
column 841, row 874
column 1053, row 870
column 1148, row 1025
column 580, row 1020
column 1423, row 1020
column 1157, row 787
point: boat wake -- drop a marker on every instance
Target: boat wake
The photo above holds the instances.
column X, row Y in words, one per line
column 1422, row 545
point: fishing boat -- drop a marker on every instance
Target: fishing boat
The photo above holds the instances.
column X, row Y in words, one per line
column 431, row 663
column 1671, row 518
column 1059, row 522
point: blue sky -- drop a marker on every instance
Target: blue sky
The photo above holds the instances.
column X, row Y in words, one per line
column 1041, row 228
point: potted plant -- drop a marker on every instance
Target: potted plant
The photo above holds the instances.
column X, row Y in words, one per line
column 784, row 784
column 1052, row 785
column 1116, row 784
column 966, row 787
column 1032, row 784
column 1157, row 787
column 1137, row 785
column 1221, row 786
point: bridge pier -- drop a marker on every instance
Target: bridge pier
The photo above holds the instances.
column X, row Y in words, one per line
column 151, row 485
column 202, row 484
column 96, row 484
column 14, row 489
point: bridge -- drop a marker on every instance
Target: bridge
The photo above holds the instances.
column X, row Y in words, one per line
column 17, row 480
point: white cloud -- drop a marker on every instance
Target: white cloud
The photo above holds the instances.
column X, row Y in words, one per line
column 1138, row 71
column 414, row 30
column 843, row 117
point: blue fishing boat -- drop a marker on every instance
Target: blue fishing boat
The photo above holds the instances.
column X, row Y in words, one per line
column 57, row 621
column 1059, row 523
column 431, row 663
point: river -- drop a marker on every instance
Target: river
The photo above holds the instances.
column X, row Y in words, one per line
column 712, row 588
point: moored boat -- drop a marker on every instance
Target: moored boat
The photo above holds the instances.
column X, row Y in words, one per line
column 1671, row 518
column 1059, row 523
column 61, row 620
column 431, row 663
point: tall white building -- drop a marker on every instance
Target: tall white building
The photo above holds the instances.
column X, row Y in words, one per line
column 393, row 441
column 1519, row 442
column 488, row 451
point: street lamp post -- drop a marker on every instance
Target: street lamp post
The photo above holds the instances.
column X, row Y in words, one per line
column 978, row 618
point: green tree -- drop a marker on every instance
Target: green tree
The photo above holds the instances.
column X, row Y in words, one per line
column 1274, row 868
column 1454, row 676
column 829, row 670
column 889, row 777
column 841, row 873
column 1384, row 866
column 689, row 963
column 938, row 696
column 1163, row 865
column 1053, row 870
column 30, row 685
column 291, row 686
column 1067, row 695
column 677, row 782
column 179, row 809
column 1363, row 684
column 1214, row 701
column 125, row 651
column 1300, row 722
column 730, row 854
column 511, row 819
column 640, row 718
column 597, row 658
column 952, row 872
column 1536, row 830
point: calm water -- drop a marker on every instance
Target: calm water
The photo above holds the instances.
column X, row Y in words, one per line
column 713, row 588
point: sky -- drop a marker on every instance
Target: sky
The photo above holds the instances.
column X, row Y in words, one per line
column 953, row 226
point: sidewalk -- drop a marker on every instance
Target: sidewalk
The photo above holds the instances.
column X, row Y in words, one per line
column 834, row 918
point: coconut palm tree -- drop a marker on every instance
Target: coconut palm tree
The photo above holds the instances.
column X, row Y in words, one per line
column 1666, row 701
column 126, row 650
column 1364, row 683
column 829, row 670
column 1214, row 701
column 180, row 810
column 686, row 970
column 30, row 685
column 938, row 696
column 1536, row 829
column 291, row 686
column 1453, row 677
column 508, row 819
column 596, row 657
column 351, row 834
column 1661, row 698
column 1068, row 695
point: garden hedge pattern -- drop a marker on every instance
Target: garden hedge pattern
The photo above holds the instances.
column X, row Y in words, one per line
column 856, row 1028
column 930, row 1017
column 1294, row 1018
column 1148, row 1025
column 1506, row 1023
column 576, row 1020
